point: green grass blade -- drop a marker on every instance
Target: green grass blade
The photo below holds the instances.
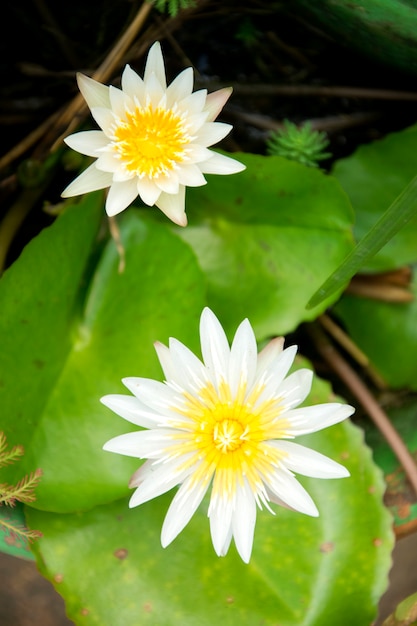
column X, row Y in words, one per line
column 395, row 217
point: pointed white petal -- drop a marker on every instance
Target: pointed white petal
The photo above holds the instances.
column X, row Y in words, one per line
column 220, row 164
column 295, row 388
column 168, row 184
column 242, row 364
column 243, row 522
column 198, row 154
column 215, row 102
column 89, row 180
column 95, row 94
column 105, row 119
column 131, row 409
column 182, row 508
column 191, row 176
column 132, row 84
column 148, row 191
column 155, row 65
column 308, row 462
column 212, row 133
column 272, row 376
column 120, row 102
column 181, row 87
column 143, row 444
column 214, row 346
column 120, row 196
column 313, row 418
column 288, row 489
column 194, row 103
column 173, row 206
column 190, row 372
column 87, row 142
column 269, row 353
column 158, row 479
column 107, row 162
column 220, row 514
column 154, row 394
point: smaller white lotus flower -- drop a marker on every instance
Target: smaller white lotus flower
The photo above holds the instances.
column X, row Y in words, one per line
column 153, row 140
column 224, row 422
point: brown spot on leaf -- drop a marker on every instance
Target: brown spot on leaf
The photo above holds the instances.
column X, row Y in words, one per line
column 147, row 607
column 230, row 599
column 327, row 546
column 377, row 542
column 121, row 553
column 84, row 611
column 58, row 578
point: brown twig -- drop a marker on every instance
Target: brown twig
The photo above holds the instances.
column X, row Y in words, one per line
column 366, row 399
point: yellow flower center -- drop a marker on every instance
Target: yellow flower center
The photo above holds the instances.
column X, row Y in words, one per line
column 151, row 141
column 228, row 436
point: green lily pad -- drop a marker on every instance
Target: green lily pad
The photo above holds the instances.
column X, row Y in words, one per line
column 109, row 566
column 266, row 240
column 161, row 292
column 373, row 177
column 387, row 333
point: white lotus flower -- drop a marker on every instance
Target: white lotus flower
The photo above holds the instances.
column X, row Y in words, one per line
column 224, row 423
column 153, row 140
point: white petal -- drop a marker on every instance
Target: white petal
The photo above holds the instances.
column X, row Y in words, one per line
column 157, row 480
column 220, row 514
column 215, row 102
column 271, row 377
column 243, row 353
column 198, row 154
column 131, row 409
column 288, row 489
column 308, row 462
column 154, row 394
column 243, row 522
column 142, row 444
column 155, row 65
column 154, row 92
column 173, row 206
column 182, row 508
column 148, row 191
column 132, row 84
column 168, row 184
column 120, row 196
column 295, row 388
column 87, row 142
column 181, row 87
column 212, row 133
column 194, row 103
column 214, row 346
column 190, row 374
column 269, row 353
column 94, row 93
column 105, row 119
column 89, row 180
column 220, row 164
column 120, row 102
column 313, row 418
column 107, row 162
column 191, row 176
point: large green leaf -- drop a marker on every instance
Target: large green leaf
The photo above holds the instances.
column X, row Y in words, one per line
column 267, row 239
column 109, row 565
column 39, row 296
column 373, row 177
column 387, row 333
column 160, row 292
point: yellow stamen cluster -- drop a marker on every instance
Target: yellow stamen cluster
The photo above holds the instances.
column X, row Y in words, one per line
column 150, row 141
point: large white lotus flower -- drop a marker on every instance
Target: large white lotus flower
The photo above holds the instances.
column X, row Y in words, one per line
column 153, row 140
column 225, row 423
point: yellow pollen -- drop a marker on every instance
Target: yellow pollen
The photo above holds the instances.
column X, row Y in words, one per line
column 228, row 435
column 150, row 141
